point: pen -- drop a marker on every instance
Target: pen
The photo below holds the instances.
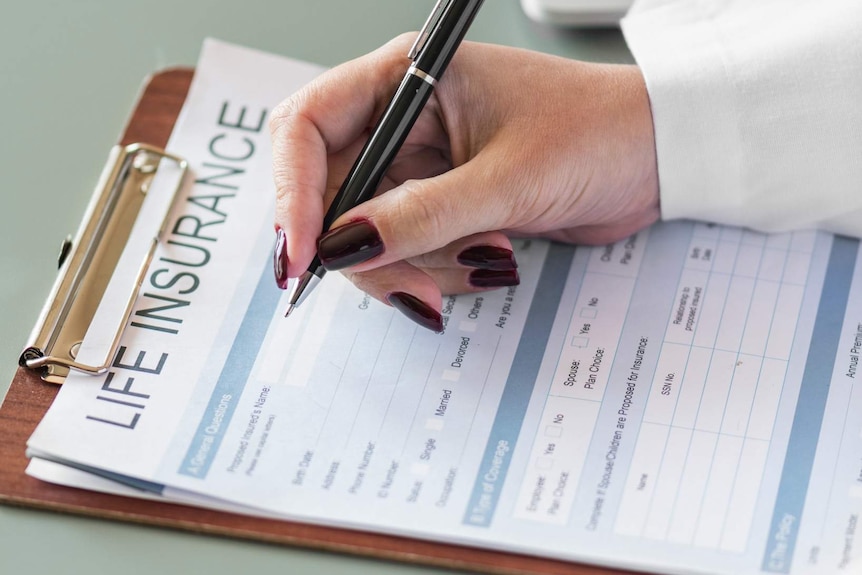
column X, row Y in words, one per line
column 431, row 52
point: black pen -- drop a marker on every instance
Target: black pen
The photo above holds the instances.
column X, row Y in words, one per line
column 431, row 53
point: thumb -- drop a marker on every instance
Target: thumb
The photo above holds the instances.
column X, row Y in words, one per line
column 415, row 218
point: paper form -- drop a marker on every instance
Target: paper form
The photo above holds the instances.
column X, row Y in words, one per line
column 681, row 401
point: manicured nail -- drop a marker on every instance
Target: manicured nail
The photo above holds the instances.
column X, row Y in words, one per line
column 416, row 309
column 349, row 245
column 494, row 278
column 488, row 258
column 279, row 258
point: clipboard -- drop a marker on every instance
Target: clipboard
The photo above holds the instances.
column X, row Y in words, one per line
column 29, row 396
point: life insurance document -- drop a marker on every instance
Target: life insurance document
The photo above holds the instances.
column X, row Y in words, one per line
column 682, row 401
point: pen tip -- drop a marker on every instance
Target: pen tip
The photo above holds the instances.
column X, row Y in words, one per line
column 289, row 309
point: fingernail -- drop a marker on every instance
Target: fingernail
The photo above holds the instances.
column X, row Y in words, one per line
column 349, row 245
column 488, row 258
column 416, row 309
column 494, row 278
column 279, row 258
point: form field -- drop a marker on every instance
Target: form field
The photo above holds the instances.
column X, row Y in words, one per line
column 689, row 498
column 735, row 312
column 786, row 315
column 718, row 491
column 741, row 396
column 748, row 261
column 743, row 501
column 772, row 265
column 672, row 467
column 451, row 375
column 691, row 391
column 765, row 404
column 796, row 268
column 544, row 463
column 434, row 424
column 641, row 481
column 312, row 336
column 725, row 256
column 759, row 321
column 715, row 391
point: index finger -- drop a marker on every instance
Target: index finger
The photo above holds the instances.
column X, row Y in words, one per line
column 325, row 116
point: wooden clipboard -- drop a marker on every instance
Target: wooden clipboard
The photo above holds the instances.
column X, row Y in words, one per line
column 28, row 398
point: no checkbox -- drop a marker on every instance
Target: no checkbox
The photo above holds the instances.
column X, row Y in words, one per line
column 588, row 312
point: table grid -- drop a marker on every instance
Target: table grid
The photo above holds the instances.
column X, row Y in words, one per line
column 716, row 389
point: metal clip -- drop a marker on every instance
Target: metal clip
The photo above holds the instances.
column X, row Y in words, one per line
column 427, row 28
column 87, row 263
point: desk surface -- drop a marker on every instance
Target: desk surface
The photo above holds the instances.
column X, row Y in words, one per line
column 70, row 74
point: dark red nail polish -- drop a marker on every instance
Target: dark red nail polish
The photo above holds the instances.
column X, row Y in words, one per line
column 488, row 258
column 349, row 245
column 494, row 278
column 279, row 258
column 416, row 309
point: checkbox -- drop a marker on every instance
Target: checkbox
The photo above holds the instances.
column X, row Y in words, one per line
column 580, row 341
column 544, row 463
column 434, row 423
column 420, row 469
column 467, row 326
column 451, row 375
column 588, row 312
column 553, row 431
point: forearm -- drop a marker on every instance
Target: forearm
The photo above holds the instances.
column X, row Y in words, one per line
column 756, row 110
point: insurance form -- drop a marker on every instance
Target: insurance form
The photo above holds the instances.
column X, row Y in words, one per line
column 681, row 401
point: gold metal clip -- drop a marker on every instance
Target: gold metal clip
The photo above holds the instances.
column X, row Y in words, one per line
column 87, row 263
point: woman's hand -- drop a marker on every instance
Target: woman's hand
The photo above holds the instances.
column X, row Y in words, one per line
column 510, row 142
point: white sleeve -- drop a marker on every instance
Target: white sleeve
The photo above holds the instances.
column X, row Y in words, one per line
column 757, row 108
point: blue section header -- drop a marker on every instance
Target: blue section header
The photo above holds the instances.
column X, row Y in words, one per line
column 519, row 387
column 231, row 382
column 810, row 407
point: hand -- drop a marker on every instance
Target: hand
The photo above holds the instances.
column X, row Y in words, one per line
column 510, row 142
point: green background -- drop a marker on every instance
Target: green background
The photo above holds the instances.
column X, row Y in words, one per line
column 69, row 73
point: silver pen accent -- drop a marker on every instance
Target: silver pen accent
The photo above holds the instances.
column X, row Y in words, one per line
column 299, row 290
